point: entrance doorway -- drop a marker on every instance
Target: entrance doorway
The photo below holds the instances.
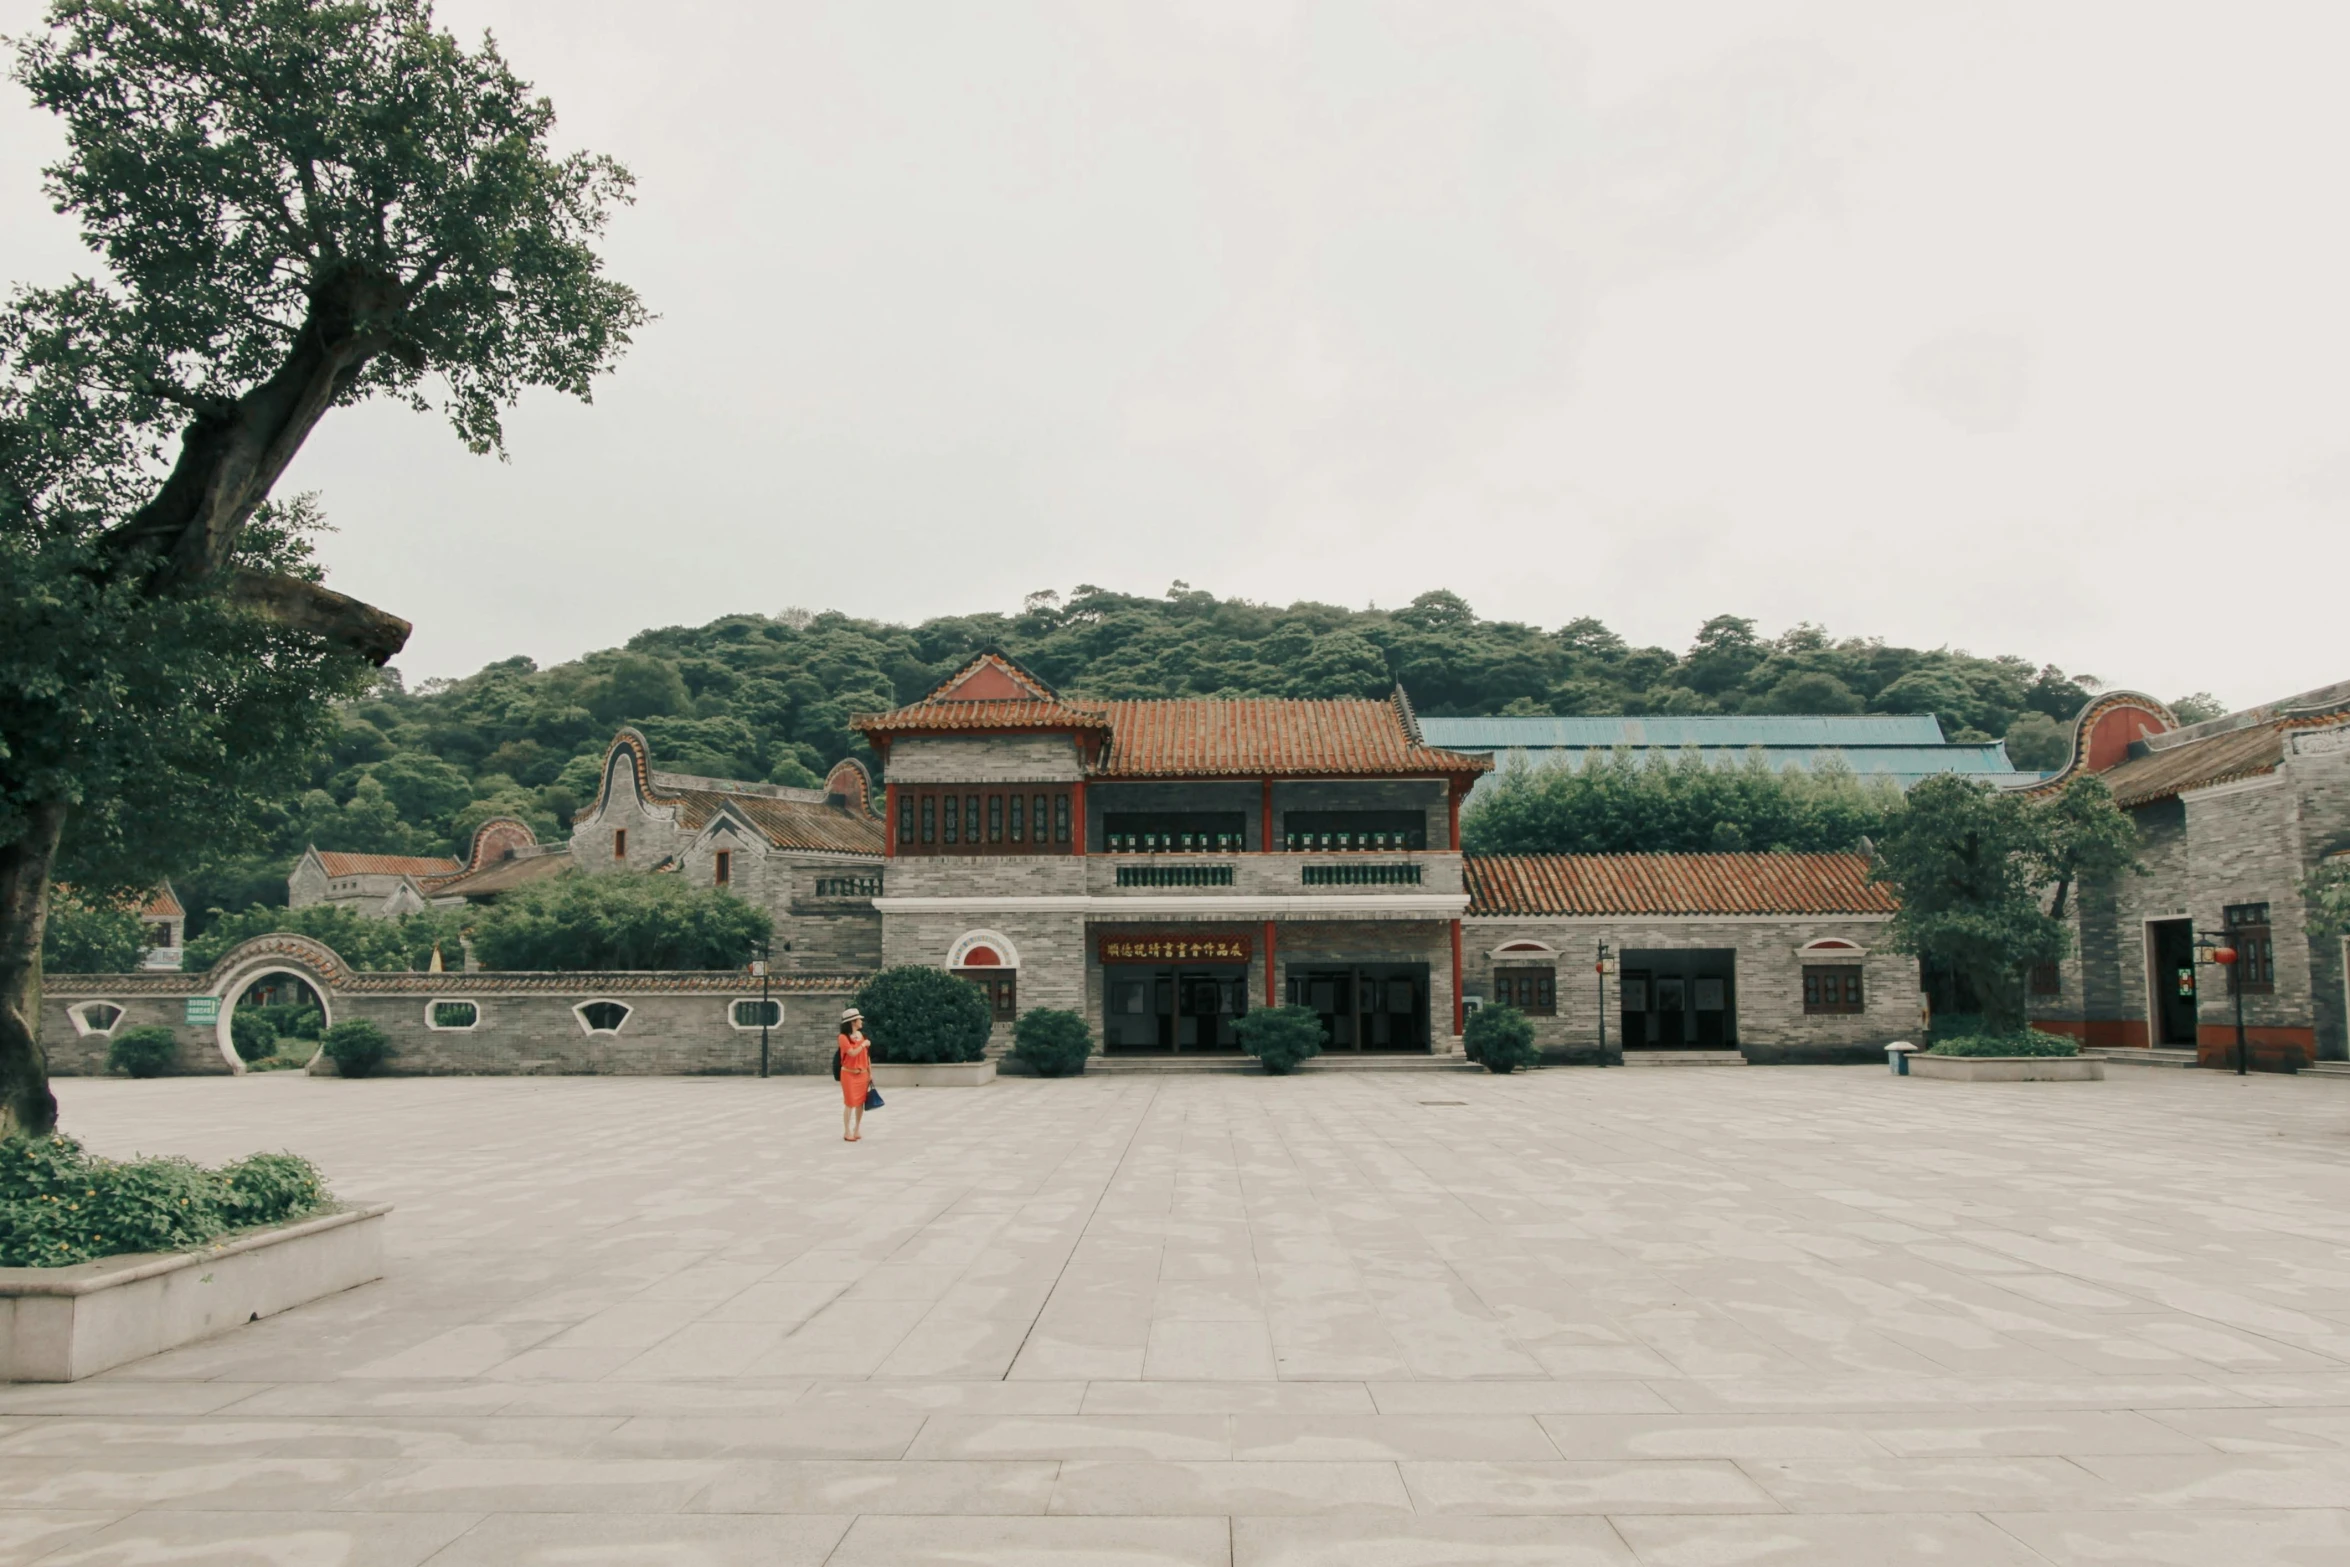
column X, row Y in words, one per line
column 1173, row 1009
column 1366, row 1006
column 1680, row 998
column 2170, row 949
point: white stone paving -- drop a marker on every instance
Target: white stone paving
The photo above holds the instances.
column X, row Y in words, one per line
column 1684, row 1318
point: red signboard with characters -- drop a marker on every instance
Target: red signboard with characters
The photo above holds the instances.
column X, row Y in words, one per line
column 1190, row 946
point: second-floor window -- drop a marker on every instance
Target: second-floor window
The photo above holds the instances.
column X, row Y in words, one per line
column 722, row 867
column 997, row 821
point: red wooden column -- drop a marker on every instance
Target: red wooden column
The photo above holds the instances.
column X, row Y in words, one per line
column 1272, row 986
column 1460, row 1011
column 1077, row 819
column 1265, row 833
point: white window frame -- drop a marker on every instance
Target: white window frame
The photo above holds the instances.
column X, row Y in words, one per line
column 452, row 1028
column 80, row 1013
column 752, row 1028
column 589, row 1029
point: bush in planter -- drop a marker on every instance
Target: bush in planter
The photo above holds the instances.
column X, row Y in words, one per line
column 2031, row 1042
column 254, row 1037
column 356, row 1048
column 917, row 1014
column 1502, row 1038
column 1051, row 1043
column 59, row 1205
column 1281, row 1037
column 144, row 1052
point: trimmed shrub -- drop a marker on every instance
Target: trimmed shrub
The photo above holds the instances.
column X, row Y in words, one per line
column 356, row 1048
column 915, row 1014
column 254, row 1037
column 59, row 1205
column 1502, row 1038
column 291, row 1019
column 1051, row 1043
column 144, row 1052
column 2031, row 1042
column 1281, row 1037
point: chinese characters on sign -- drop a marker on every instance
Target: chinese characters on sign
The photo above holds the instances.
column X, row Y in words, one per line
column 1175, row 949
column 202, row 1010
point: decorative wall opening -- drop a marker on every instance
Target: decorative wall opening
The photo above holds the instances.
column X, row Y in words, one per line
column 451, row 1016
column 94, row 1017
column 752, row 1013
column 601, row 1017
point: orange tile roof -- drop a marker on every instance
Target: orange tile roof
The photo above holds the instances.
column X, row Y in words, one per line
column 385, row 864
column 994, row 713
column 1254, row 737
column 1633, row 884
column 2214, row 759
column 504, row 875
column 164, row 905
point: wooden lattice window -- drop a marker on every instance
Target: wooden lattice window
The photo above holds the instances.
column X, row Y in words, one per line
column 1533, row 991
column 1831, row 987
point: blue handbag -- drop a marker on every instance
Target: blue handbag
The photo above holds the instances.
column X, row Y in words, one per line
column 873, row 1099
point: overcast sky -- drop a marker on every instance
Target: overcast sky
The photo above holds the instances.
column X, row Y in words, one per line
column 2017, row 327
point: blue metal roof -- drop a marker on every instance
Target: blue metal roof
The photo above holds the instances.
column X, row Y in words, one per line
column 1902, row 748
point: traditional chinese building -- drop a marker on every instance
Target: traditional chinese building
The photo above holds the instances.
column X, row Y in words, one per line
column 2232, row 815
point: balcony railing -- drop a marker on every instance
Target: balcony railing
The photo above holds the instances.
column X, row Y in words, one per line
column 848, row 886
column 1352, row 842
column 1174, row 842
column 1174, row 875
column 1346, row 874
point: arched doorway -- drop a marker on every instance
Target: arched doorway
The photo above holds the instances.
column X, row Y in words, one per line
column 278, row 970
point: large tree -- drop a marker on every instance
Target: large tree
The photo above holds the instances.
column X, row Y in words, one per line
column 1972, row 864
column 296, row 205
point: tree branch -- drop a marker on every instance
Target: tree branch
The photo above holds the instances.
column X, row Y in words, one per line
column 321, row 611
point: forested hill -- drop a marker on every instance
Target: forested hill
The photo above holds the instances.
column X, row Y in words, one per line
column 770, row 698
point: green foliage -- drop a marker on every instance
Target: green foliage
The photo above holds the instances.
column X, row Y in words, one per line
column 2198, row 707
column 255, row 1037
column 1051, row 1043
column 143, row 1052
column 1502, row 1038
column 2024, row 1042
column 372, row 945
column 60, row 1205
column 1968, row 863
column 82, row 939
column 1621, row 804
column 291, row 1019
column 357, row 1047
column 770, row 698
column 913, row 1013
column 2327, row 890
column 2039, row 743
column 1281, row 1037
column 620, row 921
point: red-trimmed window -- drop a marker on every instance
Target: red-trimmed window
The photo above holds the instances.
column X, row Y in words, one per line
column 1831, row 988
column 1533, row 991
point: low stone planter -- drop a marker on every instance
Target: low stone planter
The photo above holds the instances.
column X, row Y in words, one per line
column 933, row 1074
column 2007, row 1069
column 63, row 1324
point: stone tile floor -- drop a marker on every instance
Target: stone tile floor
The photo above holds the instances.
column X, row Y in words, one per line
column 1810, row 1316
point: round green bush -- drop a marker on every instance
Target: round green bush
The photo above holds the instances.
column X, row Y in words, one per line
column 357, row 1048
column 1051, row 1043
column 255, row 1037
column 915, row 1014
column 1500, row 1037
column 60, row 1205
column 144, row 1052
column 1281, row 1037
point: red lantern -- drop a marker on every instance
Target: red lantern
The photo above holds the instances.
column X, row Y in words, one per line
column 2224, row 955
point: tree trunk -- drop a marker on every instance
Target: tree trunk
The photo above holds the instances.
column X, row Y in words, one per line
column 26, row 1105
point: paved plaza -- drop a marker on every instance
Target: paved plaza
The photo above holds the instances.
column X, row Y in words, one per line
column 1684, row 1318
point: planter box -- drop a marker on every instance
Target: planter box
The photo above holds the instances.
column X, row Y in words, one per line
column 62, row 1324
column 2008, row 1069
column 933, row 1074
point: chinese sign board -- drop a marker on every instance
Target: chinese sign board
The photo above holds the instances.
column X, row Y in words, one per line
column 203, row 1011
column 1189, row 947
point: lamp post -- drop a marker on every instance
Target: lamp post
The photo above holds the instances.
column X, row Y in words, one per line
column 1600, row 968
column 2225, row 956
column 760, row 968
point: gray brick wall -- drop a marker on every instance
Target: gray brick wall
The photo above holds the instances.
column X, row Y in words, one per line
column 976, row 759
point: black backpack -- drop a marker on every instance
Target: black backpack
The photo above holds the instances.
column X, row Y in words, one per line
column 836, row 1063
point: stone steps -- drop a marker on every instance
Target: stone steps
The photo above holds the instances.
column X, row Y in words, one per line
column 1683, row 1058
column 1334, row 1061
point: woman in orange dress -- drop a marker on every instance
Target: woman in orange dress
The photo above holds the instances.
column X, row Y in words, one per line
column 856, row 1074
